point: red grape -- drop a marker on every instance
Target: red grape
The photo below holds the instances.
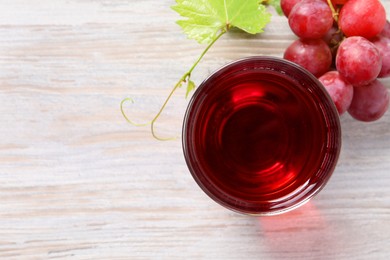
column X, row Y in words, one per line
column 386, row 31
column 314, row 55
column 364, row 18
column 383, row 45
column 310, row 19
column 339, row 90
column 358, row 60
column 287, row 5
column 369, row 102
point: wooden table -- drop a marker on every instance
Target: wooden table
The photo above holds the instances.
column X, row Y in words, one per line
column 78, row 182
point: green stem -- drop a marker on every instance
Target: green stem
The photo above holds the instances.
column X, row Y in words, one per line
column 186, row 77
column 334, row 12
column 205, row 51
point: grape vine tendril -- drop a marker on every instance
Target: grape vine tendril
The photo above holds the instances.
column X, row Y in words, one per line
column 185, row 78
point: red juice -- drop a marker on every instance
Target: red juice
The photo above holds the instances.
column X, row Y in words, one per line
column 261, row 136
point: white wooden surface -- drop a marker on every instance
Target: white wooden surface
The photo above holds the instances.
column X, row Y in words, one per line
column 78, row 182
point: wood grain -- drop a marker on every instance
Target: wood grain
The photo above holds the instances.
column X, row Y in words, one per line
column 78, row 182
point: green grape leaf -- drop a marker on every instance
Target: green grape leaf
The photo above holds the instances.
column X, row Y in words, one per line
column 206, row 18
column 190, row 87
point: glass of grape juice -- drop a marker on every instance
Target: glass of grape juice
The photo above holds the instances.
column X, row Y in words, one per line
column 261, row 136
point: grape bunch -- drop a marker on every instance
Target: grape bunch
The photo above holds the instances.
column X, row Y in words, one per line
column 346, row 45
